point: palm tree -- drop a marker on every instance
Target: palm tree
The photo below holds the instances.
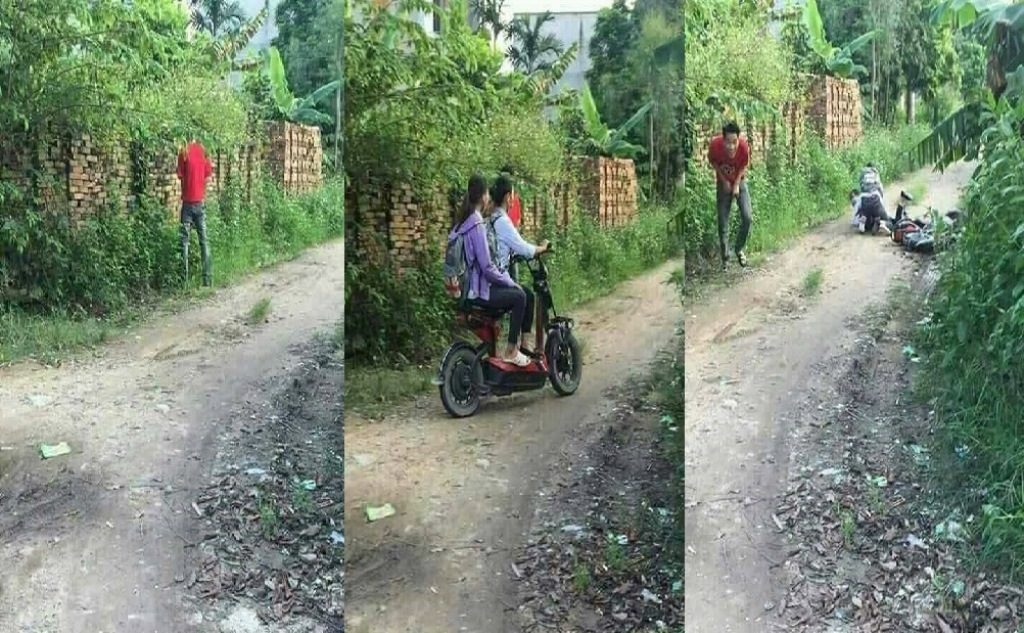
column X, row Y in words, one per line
column 489, row 13
column 218, row 17
column 531, row 50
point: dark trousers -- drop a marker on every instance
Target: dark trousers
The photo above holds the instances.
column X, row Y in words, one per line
column 746, row 217
column 511, row 300
column 192, row 214
column 531, row 300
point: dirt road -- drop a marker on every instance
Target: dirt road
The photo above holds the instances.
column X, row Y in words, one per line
column 466, row 491
column 97, row 541
column 753, row 352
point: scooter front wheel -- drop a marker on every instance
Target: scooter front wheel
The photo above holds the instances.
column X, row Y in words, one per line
column 565, row 361
column 461, row 377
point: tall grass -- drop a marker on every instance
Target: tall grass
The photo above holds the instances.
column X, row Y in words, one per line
column 65, row 287
column 974, row 349
column 788, row 199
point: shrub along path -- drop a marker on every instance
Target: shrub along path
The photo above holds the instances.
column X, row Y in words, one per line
column 109, row 537
column 466, row 491
column 789, row 410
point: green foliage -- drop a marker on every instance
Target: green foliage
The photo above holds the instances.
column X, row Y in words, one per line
column 288, row 105
column 420, row 108
column 645, row 45
column 607, row 142
column 837, row 61
column 118, row 260
column 113, row 70
column 1000, row 24
column 789, row 199
column 974, row 340
column 308, row 38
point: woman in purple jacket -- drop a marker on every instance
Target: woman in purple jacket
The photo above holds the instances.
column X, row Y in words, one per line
column 489, row 287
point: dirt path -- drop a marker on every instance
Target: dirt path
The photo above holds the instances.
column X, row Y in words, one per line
column 96, row 541
column 753, row 352
column 465, row 491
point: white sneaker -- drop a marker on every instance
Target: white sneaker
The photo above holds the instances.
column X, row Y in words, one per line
column 861, row 227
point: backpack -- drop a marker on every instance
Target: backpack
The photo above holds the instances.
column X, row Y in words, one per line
column 456, row 268
column 870, row 181
column 492, row 242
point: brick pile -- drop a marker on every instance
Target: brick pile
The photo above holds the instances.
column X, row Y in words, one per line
column 395, row 223
column 82, row 176
column 608, row 190
column 835, row 111
column 294, row 156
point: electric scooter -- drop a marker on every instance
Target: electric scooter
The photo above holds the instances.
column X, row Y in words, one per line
column 471, row 371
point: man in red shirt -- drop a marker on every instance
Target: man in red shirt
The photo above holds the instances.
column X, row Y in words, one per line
column 729, row 155
column 194, row 169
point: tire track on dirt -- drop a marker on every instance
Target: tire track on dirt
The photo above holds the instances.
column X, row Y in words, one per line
column 752, row 350
column 142, row 416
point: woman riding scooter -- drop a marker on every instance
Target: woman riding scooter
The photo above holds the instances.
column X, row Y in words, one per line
column 489, row 287
column 511, row 243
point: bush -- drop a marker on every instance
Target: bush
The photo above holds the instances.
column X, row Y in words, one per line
column 973, row 344
column 116, row 259
column 788, row 200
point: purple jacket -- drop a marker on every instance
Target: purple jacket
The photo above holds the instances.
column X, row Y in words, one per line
column 482, row 272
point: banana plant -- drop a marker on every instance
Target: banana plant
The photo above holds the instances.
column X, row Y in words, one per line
column 291, row 107
column 838, row 61
column 608, row 142
column 1001, row 24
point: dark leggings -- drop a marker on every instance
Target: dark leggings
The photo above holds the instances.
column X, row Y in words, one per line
column 511, row 300
column 513, row 272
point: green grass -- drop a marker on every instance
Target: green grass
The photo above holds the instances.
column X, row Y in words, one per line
column 124, row 270
column 51, row 338
column 812, row 282
column 373, row 391
column 259, row 312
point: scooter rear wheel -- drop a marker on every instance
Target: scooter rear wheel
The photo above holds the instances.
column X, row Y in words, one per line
column 461, row 378
column 565, row 362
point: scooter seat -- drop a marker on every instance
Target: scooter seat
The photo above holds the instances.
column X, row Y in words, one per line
column 481, row 312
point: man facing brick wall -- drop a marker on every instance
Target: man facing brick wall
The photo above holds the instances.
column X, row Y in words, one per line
column 194, row 169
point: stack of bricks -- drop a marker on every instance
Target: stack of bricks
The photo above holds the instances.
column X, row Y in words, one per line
column 96, row 177
column 793, row 123
column 609, row 190
column 295, row 156
column 835, row 111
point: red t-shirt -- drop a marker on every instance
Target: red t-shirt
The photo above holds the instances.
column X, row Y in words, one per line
column 731, row 167
column 193, row 170
column 515, row 211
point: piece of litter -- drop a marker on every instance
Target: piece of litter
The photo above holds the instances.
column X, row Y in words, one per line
column 914, row 541
column 163, row 408
column 49, row 451
column 650, row 597
column 337, row 538
column 195, row 506
column 255, row 472
column 376, row 513
column 308, row 484
column 575, row 529
column 37, row 400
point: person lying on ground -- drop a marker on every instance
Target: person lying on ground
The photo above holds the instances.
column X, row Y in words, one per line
column 510, row 243
column 869, row 215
